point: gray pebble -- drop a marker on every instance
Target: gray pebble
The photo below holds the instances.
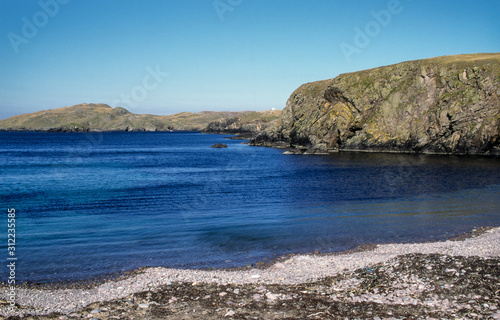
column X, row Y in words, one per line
column 230, row 313
column 257, row 297
column 496, row 315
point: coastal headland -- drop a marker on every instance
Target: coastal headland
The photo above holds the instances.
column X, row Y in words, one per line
column 443, row 105
column 92, row 117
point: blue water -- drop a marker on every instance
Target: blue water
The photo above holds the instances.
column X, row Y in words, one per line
column 94, row 204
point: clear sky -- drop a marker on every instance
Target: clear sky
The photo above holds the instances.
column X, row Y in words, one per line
column 169, row 56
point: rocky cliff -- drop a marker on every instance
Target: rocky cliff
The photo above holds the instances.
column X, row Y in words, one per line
column 447, row 105
column 247, row 124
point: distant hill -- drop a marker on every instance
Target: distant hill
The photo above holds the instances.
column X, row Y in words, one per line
column 101, row 117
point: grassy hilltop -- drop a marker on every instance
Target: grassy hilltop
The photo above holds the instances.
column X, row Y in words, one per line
column 101, row 117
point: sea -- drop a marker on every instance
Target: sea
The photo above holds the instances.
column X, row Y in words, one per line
column 94, row 205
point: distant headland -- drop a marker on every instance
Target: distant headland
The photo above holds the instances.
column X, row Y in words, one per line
column 90, row 117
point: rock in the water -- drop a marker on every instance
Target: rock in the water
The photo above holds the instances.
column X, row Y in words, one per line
column 219, row 145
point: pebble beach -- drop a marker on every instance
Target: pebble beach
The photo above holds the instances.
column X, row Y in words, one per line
column 442, row 280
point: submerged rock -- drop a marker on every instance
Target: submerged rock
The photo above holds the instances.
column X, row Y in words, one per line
column 219, row 145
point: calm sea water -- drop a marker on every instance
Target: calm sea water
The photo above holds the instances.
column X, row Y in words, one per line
column 89, row 205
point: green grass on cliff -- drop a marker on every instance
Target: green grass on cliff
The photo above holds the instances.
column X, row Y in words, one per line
column 366, row 78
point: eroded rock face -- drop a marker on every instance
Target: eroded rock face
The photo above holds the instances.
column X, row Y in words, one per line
column 247, row 123
column 445, row 105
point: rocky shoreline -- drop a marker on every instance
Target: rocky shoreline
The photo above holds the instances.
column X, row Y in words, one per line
column 444, row 280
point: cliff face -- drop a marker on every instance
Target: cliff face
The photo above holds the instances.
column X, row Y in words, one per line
column 441, row 105
column 247, row 123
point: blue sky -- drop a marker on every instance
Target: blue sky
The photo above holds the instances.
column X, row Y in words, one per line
column 166, row 56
